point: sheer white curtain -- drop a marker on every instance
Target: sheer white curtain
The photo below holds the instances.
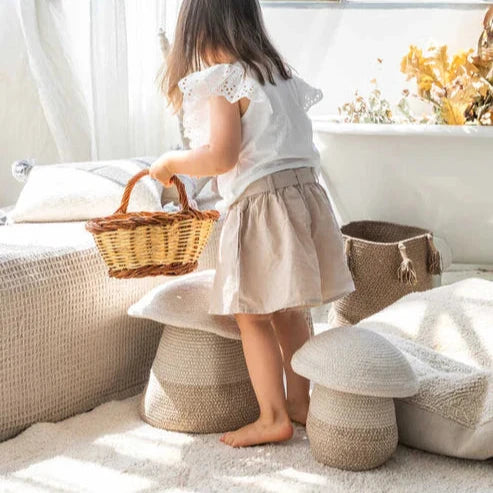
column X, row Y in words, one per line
column 94, row 63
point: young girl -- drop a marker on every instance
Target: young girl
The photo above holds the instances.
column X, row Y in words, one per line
column 280, row 250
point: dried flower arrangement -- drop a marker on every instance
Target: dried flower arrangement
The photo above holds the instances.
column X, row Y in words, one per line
column 457, row 90
column 460, row 90
column 376, row 109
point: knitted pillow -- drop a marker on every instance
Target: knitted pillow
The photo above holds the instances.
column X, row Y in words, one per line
column 193, row 187
column 184, row 302
column 80, row 191
column 447, row 335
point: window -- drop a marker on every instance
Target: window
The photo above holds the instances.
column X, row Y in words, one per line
column 404, row 3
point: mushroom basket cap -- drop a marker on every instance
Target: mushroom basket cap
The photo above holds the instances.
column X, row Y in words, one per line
column 356, row 361
column 184, row 302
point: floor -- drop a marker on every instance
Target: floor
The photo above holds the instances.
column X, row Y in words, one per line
column 111, row 449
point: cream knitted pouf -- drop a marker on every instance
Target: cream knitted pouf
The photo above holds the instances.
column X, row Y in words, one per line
column 199, row 382
column 351, row 422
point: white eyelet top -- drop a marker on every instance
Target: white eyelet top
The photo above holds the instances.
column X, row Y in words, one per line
column 276, row 131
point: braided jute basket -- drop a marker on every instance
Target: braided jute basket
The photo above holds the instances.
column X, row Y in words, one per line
column 387, row 261
column 141, row 244
column 209, row 392
column 349, row 431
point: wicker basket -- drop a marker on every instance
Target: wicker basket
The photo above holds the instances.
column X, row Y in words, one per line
column 140, row 244
column 387, row 261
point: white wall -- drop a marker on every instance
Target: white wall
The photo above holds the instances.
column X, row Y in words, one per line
column 335, row 48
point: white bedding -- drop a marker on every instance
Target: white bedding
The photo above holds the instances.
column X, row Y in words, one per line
column 67, row 343
column 21, row 238
column 447, row 335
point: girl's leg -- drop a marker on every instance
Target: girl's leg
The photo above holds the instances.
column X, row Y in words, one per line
column 292, row 332
column 264, row 362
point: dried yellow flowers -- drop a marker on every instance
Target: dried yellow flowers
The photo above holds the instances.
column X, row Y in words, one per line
column 451, row 86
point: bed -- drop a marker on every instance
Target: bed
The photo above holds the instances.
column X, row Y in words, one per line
column 66, row 341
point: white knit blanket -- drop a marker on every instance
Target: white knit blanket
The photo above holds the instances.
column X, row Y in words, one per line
column 447, row 335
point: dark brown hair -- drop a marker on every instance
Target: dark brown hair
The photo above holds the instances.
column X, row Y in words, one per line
column 234, row 28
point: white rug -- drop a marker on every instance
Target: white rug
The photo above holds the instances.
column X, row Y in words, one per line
column 111, row 450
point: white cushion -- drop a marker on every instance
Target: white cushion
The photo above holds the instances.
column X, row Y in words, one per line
column 356, row 361
column 80, row 191
column 207, row 198
column 447, row 336
column 193, row 186
column 184, row 302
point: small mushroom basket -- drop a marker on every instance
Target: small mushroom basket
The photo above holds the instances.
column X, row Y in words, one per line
column 351, row 422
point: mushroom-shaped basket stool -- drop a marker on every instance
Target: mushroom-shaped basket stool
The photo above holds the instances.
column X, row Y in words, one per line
column 199, row 381
column 351, row 421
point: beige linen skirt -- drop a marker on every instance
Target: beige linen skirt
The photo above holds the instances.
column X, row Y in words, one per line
column 280, row 248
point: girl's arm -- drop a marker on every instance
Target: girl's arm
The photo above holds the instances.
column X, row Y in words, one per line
column 219, row 156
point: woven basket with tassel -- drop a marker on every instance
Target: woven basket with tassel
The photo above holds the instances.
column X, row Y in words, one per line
column 140, row 244
column 387, row 261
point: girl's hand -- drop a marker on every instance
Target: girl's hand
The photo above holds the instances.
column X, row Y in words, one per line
column 161, row 171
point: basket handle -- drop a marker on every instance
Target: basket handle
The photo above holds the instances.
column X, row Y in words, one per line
column 182, row 194
column 434, row 261
column 349, row 257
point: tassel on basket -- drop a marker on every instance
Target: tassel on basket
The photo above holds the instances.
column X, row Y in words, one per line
column 406, row 272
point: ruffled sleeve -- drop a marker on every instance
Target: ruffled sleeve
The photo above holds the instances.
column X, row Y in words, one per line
column 308, row 95
column 228, row 80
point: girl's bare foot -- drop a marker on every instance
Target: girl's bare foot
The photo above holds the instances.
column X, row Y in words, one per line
column 260, row 431
column 298, row 411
